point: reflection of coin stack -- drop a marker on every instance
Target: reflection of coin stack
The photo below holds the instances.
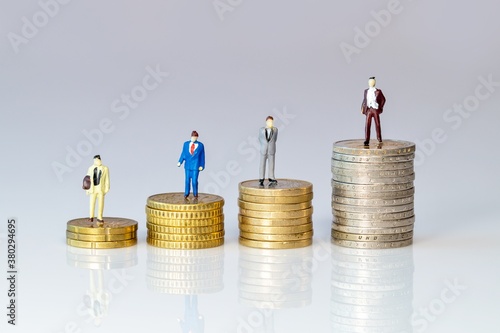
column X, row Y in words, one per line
column 372, row 198
column 178, row 223
column 372, row 290
column 97, row 298
column 275, row 279
column 115, row 233
column 185, row 272
column 276, row 217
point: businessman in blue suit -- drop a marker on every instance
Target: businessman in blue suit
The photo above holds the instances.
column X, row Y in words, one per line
column 193, row 157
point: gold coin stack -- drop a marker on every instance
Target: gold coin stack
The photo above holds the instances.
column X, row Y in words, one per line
column 275, row 216
column 175, row 222
column 372, row 194
column 116, row 232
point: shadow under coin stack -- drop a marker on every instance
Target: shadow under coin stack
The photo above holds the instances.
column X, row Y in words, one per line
column 372, row 194
column 116, row 232
column 174, row 222
column 275, row 216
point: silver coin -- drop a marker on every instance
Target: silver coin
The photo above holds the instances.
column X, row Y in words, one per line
column 371, row 323
column 371, row 187
column 372, row 288
column 296, row 296
column 373, row 210
column 373, row 295
column 375, row 217
column 373, row 159
column 374, row 180
column 292, row 275
column 371, row 238
column 365, row 301
column 371, row 231
column 372, row 266
column 385, row 148
column 372, row 245
column 250, row 288
column 372, row 173
column 276, row 304
column 371, row 202
column 350, row 222
column 274, row 283
column 341, row 311
column 372, row 166
column 373, row 195
column 185, row 275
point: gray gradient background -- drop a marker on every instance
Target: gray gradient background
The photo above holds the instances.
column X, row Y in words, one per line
column 225, row 76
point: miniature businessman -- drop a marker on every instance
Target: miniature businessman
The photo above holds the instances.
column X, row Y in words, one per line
column 99, row 186
column 193, row 156
column 372, row 107
column 267, row 137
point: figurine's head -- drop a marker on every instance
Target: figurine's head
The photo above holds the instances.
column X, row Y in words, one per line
column 194, row 136
column 371, row 82
column 269, row 122
column 97, row 160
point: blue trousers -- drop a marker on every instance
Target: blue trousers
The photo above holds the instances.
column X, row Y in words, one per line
column 191, row 178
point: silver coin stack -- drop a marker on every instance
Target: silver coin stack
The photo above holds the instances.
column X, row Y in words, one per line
column 372, row 290
column 372, row 194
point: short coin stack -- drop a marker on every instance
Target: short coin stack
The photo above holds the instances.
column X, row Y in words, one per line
column 116, row 232
column 372, row 194
column 372, row 290
column 175, row 222
column 275, row 216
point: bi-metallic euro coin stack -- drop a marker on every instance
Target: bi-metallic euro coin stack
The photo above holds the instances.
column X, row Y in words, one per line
column 115, row 232
column 275, row 216
column 372, row 194
column 175, row 222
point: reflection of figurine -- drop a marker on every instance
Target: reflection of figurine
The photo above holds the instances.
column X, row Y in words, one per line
column 99, row 186
column 193, row 154
column 267, row 137
column 194, row 322
column 97, row 298
column 372, row 107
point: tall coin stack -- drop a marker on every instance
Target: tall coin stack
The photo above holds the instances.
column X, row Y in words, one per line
column 175, row 222
column 372, row 290
column 116, row 232
column 372, row 194
column 275, row 216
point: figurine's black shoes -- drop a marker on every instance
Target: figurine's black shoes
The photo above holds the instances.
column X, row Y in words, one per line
column 261, row 182
column 273, row 181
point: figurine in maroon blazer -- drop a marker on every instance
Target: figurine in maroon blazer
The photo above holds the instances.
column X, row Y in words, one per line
column 372, row 107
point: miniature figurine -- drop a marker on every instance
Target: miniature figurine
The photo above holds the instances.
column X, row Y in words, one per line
column 96, row 184
column 267, row 137
column 372, row 107
column 193, row 154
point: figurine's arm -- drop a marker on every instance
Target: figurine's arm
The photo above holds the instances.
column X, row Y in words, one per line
column 363, row 104
column 202, row 157
column 381, row 102
column 181, row 158
column 275, row 134
column 106, row 180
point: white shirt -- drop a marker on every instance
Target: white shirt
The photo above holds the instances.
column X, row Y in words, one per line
column 371, row 101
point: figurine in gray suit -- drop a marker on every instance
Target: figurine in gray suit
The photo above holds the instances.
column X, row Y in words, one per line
column 267, row 137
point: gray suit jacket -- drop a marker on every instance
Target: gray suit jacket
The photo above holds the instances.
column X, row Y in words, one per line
column 268, row 148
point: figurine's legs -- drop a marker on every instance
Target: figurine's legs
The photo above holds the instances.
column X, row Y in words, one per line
column 100, row 198
column 92, row 196
column 368, row 125
column 187, row 182
column 262, row 168
column 376, row 116
column 271, row 166
column 194, row 176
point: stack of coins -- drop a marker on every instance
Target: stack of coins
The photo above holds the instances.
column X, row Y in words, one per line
column 185, row 272
column 276, row 216
column 175, row 222
column 372, row 197
column 116, row 232
column 274, row 279
column 372, row 290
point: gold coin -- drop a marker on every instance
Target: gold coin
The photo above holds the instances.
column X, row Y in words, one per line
column 386, row 148
column 185, row 222
column 177, row 202
column 372, row 238
column 274, row 207
column 275, row 245
column 276, row 200
column 166, row 214
column 112, row 225
column 277, row 215
column 185, row 245
column 101, row 245
column 274, row 222
column 277, row 238
column 285, row 187
column 101, row 238
column 184, row 237
column 185, row 230
column 275, row 230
